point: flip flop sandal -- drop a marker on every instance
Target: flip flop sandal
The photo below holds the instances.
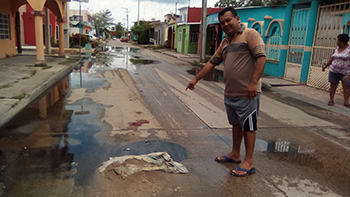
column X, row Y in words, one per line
column 330, row 103
column 248, row 172
column 227, row 159
column 347, row 105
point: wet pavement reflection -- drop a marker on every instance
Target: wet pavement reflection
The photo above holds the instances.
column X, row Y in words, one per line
column 215, row 75
column 176, row 151
column 118, row 57
column 49, row 157
column 292, row 152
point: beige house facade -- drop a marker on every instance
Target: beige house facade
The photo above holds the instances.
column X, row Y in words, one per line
column 8, row 11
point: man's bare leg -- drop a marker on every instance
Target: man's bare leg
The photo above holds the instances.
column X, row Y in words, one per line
column 237, row 135
column 249, row 141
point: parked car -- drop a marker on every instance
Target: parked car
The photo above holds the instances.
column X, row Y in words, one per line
column 114, row 38
column 124, row 39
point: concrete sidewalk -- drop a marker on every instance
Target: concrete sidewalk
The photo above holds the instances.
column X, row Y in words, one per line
column 22, row 84
column 307, row 94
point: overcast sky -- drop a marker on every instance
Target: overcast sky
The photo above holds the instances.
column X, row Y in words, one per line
column 148, row 8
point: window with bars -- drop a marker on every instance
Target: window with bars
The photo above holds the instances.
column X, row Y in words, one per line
column 273, row 43
column 194, row 36
column 180, row 35
column 5, row 32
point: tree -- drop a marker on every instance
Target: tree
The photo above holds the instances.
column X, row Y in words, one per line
column 119, row 30
column 245, row 3
column 142, row 32
column 101, row 21
column 228, row 3
column 276, row 2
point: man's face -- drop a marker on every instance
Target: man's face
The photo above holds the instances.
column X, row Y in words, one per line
column 229, row 24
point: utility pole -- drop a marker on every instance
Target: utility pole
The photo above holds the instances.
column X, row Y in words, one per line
column 203, row 30
column 189, row 2
column 80, row 24
column 80, row 27
column 127, row 18
column 138, row 13
column 176, row 6
column 124, row 28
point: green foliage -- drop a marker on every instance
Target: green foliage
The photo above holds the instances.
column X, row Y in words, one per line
column 20, row 96
column 74, row 40
column 137, row 29
column 119, row 29
column 32, row 72
column 196, row 63
column 46, row 67
column 277, row 2
column 101, row 21
column 5, row 86
column 245, row 3
column 142, row 32
column 154, row 47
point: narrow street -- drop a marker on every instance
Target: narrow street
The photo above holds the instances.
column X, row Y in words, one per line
column 133, row 101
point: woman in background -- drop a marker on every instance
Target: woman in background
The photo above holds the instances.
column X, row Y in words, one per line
column 340, row 69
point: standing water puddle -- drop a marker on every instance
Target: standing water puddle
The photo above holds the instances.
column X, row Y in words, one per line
column 215, row 75
column 50, row 157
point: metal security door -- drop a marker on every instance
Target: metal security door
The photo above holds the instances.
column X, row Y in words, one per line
column 332, row 21
column 297, row 44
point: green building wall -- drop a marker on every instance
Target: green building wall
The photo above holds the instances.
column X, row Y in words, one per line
column 185, row 46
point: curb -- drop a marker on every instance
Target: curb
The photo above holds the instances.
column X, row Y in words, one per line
column 36, row 94
column 265, row 85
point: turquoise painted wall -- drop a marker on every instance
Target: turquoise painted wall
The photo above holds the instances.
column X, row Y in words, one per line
column 258, row 13
column 271, row 69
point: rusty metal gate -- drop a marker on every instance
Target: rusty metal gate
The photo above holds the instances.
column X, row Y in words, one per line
column 332, row 21
column 296, row 46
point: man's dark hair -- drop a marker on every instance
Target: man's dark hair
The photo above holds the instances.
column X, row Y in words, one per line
column 344, row 38
column 231, row 9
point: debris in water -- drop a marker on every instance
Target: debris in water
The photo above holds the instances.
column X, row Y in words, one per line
column 130, row 164
column 140, row 122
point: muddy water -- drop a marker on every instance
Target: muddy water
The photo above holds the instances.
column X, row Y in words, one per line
column 52, row 157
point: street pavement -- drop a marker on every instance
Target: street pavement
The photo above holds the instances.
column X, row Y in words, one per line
column 18, row 69
column 303, row 93
column 302, row 146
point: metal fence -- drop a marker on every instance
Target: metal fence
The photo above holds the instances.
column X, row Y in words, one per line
column 332, row 21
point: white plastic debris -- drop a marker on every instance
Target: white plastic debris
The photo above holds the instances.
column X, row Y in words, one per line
column 130, row 164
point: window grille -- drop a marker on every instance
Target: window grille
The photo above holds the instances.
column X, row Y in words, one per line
column 194, row 36
column 180, row 35
column 5, row 32
column 273, row 44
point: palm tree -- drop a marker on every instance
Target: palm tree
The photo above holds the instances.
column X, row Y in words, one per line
column 101, row 21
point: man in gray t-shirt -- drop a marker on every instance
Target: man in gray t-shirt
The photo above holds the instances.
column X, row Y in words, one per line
column 243, row 53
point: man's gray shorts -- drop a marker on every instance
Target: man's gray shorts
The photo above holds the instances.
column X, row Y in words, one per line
column 241, row 110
